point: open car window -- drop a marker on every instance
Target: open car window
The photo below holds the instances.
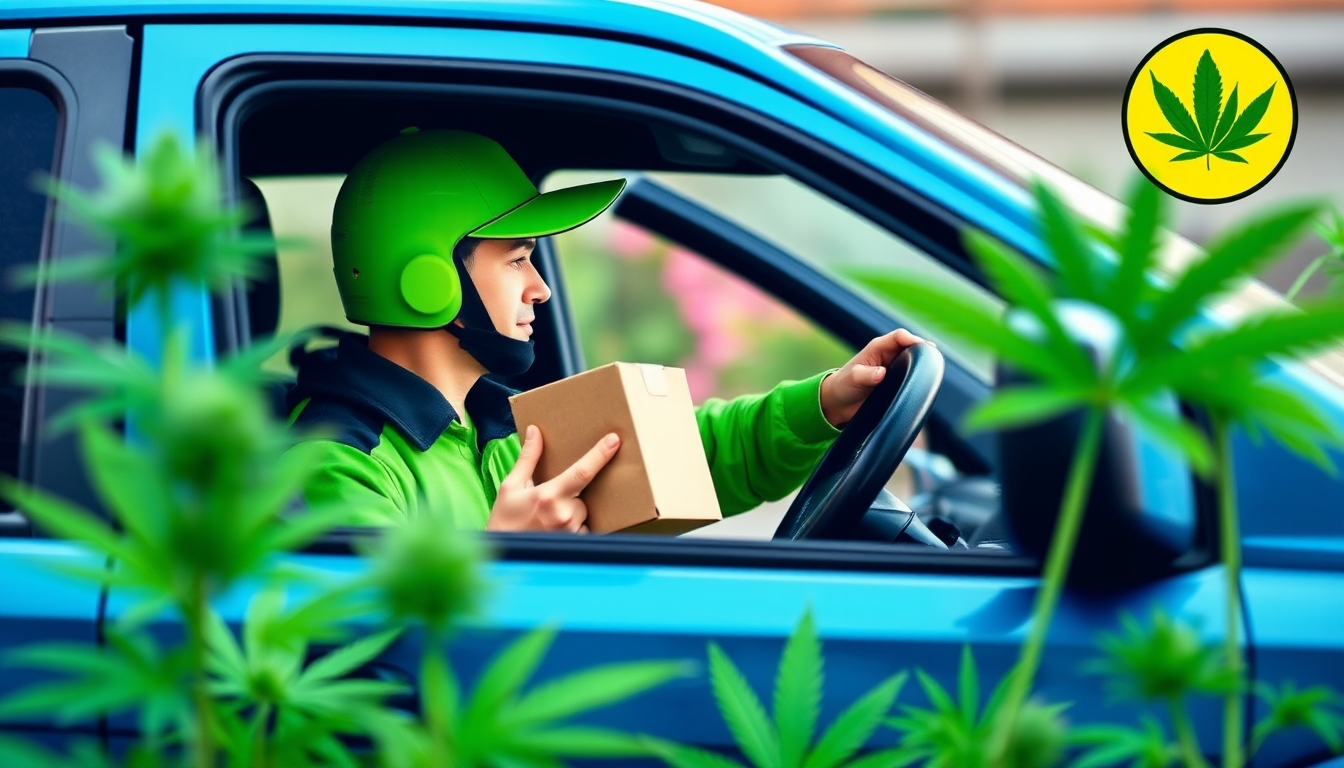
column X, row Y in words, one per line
column 798, row 220
column 760, row 180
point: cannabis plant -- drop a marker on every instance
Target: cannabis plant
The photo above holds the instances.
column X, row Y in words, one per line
column 1332, row 260
column 956, row 733
column 427, row 581
column 786, row 740
column 1166, row 664
column 1167, row 345
column 202, row 498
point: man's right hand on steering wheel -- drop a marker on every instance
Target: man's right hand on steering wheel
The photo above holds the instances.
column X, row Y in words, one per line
column 845, row 390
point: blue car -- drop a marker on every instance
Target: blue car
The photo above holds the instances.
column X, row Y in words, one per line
column 778, row 160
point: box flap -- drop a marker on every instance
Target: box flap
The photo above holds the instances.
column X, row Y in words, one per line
column 669, row 439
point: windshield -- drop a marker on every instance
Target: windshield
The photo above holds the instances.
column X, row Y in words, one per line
column 1021, row 166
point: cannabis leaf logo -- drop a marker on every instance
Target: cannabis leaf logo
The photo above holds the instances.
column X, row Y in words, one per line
column 1211, row 132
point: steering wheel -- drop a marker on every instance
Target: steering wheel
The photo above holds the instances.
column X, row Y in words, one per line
column 868, row 450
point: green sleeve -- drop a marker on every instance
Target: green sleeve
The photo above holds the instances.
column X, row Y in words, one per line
column 762, row 447
column 358, row 481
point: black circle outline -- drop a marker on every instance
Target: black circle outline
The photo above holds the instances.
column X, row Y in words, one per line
column 1124, row 115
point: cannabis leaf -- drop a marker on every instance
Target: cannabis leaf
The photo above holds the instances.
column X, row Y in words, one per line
column 786, row 740
column 1211, row 132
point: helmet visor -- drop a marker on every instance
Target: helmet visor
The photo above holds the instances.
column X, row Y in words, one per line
column 553, row 212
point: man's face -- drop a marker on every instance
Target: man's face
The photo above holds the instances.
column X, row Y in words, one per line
column 509, row 284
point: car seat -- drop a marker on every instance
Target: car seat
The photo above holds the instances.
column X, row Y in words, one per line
column 263, row 291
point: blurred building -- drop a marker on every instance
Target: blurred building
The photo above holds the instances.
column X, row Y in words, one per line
column 1051, row 74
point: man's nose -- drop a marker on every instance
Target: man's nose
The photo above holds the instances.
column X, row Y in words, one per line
column 537, row 291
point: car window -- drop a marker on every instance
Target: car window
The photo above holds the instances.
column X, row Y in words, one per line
column 29, row 123
column 1022, row 166
column 299, row 208
column 638, row 298
column 779, row 209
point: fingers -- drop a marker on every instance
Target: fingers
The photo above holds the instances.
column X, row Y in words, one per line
column 521, row 474
column 883, row 349
column 567, row 515
column 572, row 481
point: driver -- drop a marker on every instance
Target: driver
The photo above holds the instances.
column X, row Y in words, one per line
column 432, row 238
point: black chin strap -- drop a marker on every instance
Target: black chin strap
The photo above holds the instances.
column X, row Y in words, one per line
column 499, row 354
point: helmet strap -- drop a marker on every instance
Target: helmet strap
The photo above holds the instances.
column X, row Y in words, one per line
column 499, row 354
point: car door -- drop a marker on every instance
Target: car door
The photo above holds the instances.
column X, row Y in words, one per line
column 878, row 609
column 62, row 91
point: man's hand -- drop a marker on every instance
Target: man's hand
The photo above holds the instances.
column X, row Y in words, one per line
column 845, row 390
column 555, row 504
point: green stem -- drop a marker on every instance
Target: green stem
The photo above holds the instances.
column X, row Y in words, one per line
column 1052, row 579
column 260, row 723
column 1230, row 546
column 1257, row 741
column 1304, row 277
column 433, row 709
column 1185, row 735
column 203, row 746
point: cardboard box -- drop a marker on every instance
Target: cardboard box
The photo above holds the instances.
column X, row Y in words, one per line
column 658, row 481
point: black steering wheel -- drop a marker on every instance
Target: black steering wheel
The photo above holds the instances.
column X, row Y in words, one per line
column 868, row 450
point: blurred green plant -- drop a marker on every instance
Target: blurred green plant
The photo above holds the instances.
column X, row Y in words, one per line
column 1166, row 345
column 1166, row 664
column 787, row 741
column 1332, row 260
column 166, row 217
column 957, row 734
column 202, row 499
column 427, row 580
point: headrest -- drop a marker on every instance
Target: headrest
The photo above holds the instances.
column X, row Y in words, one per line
column 263, row 292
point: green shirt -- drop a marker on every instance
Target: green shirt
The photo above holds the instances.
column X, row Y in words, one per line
column 394, row 443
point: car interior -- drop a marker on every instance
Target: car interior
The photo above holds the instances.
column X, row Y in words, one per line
column 573, row 139
column 955, row 500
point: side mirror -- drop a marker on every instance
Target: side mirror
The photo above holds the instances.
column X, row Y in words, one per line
column 1141, row 513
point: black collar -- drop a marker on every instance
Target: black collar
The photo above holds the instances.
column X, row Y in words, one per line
column 352, row 374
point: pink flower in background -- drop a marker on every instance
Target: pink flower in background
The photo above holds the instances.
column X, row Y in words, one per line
column 629, row 242
column 722, row 310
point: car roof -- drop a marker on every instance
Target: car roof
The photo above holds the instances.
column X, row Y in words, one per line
column 681, row 22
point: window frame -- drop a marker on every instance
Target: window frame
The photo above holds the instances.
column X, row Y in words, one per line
column 46, row 80
column 238, row 85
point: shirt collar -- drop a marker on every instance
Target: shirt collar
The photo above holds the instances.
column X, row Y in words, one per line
column 354, row 374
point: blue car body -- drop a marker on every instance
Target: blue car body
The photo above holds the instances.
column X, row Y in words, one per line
column 873, row 620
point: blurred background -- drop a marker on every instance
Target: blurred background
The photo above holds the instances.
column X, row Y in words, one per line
column 1051, row 74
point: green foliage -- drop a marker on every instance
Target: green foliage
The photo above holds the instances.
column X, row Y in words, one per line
column 168, row 219
column 278, row 708
column 1318, row 708
column 787, row 740
column 1164, row 662
column 203, row 500
column 955, row 733
column 1104, row 745
column 1213, row 367
column 1332, row 260
column 502, row 726
column 425, row 576
column 132, row 672
column 1166, row 347
column 1216, row 130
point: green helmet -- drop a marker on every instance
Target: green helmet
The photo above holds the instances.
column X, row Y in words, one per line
column 409, row 201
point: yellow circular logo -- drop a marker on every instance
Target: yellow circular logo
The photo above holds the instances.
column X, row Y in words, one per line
column 1209, row 116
